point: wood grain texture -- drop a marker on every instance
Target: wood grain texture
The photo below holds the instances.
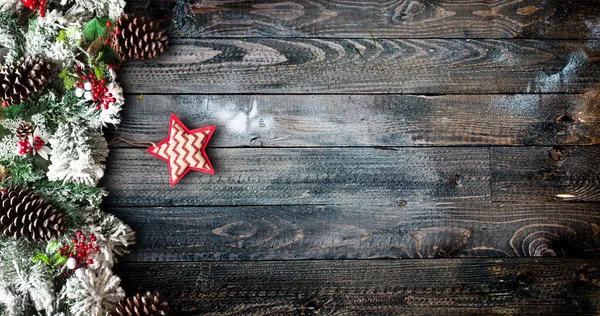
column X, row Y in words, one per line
column 397, row 19
column 370, row 120
column 416, row 287
column 544, row 174
column 355, row 66
column 413, row 230
column 271, row 176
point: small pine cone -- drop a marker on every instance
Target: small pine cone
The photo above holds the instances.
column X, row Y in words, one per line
column 140, row 305
column 24, row 130
column 24, row 78
column 24, row 214
column 139, row 38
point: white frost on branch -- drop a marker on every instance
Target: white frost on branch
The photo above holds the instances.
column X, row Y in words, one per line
column 79, row 155
column 88, row 9
column 113, row 238
column 22, row 283
column 93, row 293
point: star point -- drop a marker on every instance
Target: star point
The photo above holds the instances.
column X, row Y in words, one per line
column 184, row 150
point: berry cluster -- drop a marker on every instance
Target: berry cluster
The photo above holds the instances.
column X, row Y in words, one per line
column 79, row 252
column 33, row 4
column 93, row 89
column 25, row 146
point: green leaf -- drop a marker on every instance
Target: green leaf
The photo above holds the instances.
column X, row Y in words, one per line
column 41, row 257
column 69, row 79
column 95, row 28
column 62, row 36
column 60, row 260
column 99, row 71
column 52, row 246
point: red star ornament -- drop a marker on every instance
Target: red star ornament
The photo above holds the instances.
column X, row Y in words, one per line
column 184, row 150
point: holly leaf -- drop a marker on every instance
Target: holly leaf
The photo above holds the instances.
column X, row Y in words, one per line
column 100, row 69
column 96, row 28
column 41, row 257
column 62, row 36
column 68, row 79
column 52, row 246
column 59, row 259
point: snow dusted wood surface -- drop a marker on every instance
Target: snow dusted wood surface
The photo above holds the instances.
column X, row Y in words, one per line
column 460, row 137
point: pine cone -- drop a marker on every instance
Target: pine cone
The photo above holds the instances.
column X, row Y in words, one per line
column 138, row 38
column 24, row 130
column 140, row 305
column 23, row 78
column 24, row 214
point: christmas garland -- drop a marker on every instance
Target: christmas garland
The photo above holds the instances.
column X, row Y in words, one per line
column 58, row 89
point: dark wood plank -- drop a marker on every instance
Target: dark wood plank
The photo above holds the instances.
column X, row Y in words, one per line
column 370, row 120
column 309, row 66
column 544, row 174
column 271, row 176
column 419, row 287
column 398, row 19
column 413, row 230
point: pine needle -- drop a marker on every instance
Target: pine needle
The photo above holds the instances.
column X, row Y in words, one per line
column 373, row 37
column 359, row 53
column 96, row 28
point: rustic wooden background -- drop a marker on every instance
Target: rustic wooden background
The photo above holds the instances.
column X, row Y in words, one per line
column 461, row 137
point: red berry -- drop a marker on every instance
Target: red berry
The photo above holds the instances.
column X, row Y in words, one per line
column 65, row 274
column 66, row 247
column 78, row 233
column 90, row 261
column 75, row 240
column 5, row 103
column 109, row 24
column 70, row 255
column 117, row 31
column 60, row 251
column 96, row 248
column 106, row 41
column 82, row 238
column 3, row 191
column 98, row 107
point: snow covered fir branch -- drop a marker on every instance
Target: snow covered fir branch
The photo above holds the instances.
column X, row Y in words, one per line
column 58, row 90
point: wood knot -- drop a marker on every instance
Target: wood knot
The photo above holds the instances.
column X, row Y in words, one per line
column 456, row 180
column 565, row 119
column 313, row 306
column 558, row 154
column 401, row 203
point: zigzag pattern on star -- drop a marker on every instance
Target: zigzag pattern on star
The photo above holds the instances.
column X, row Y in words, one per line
column 183, row 151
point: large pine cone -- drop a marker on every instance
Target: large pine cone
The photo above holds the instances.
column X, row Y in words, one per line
column 139, row 38
column 24, row 130
column 24, row 214
column 139, row 305
column 24, row 78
